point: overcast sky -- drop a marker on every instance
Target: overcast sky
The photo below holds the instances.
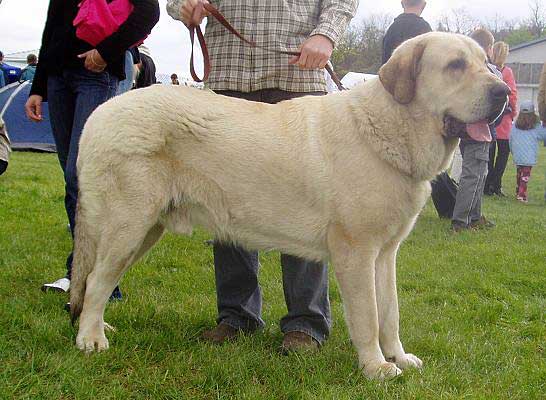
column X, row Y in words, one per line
column 21, row 25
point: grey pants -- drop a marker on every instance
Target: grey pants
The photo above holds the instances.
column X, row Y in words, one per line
column 305, row 283
column 468, row 204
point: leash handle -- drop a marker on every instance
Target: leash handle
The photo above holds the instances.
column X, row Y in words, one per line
column 204, row 50
column 222, row 20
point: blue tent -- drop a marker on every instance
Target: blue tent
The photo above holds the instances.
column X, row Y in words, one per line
column 11, row 73
column 24, row 134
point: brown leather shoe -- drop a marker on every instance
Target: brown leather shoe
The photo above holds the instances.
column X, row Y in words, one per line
column 220, row 334
column 482, row 223
column 457, row 227
column 298, row 342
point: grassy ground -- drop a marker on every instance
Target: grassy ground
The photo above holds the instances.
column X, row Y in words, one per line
column 472, row 307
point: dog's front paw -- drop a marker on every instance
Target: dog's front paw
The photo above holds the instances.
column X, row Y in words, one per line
column 381, row 370
column 407, row 360
column 91, row 342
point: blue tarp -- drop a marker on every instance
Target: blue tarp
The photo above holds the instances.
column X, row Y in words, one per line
column 24, row 134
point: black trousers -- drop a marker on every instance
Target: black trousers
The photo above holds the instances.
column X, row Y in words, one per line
column 305, row 283
column 3, row 166
column 493, row 183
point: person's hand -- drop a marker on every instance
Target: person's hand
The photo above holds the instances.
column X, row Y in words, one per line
column 33, row 108
column 192, row 12
column 93, row 61
column 315, row 53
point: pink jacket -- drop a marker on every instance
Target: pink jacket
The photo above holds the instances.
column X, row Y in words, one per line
column 503, row 130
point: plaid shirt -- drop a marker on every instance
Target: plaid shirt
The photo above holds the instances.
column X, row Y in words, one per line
column 280, row 24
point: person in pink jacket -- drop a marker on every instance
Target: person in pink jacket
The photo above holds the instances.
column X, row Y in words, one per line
column 493, row 183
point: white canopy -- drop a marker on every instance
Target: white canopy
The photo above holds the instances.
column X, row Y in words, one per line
column 351, row 79
column 19, row 59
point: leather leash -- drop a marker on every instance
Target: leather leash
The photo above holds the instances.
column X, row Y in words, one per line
column 206, row 58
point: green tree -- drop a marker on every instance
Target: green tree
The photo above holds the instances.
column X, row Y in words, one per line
column 518, row 36
column 361, row 48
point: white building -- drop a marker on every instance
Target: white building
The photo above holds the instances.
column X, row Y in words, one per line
column 526, row 60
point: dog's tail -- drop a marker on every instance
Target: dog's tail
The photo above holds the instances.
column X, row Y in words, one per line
column 85, row 251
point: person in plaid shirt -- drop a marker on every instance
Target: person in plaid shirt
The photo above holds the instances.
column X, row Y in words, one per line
column 312, row 27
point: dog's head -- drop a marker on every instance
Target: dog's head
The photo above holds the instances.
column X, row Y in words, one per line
column 447, row 75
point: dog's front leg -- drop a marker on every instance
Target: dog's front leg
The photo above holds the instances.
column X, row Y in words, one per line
column 355, row 272
column 387, row 306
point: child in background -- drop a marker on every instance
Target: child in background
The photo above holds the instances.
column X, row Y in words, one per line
column 524, row 146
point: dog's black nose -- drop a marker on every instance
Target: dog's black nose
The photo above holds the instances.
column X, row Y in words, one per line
column 499, row 92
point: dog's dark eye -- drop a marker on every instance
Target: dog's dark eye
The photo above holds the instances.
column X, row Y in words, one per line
column 458, row 64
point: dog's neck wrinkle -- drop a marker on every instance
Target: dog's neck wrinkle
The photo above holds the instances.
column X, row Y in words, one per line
column 378, row 131
column 384, row 134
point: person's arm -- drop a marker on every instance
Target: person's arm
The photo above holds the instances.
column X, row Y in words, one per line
column 139, row 24
column 38, row 89
column 508, row 76
column 174, row 8
column 334, row 18
column 541, row 132
column 24, row 74
column 388, row 48
column 184, row 10
column 54, row 15
column 426, row 27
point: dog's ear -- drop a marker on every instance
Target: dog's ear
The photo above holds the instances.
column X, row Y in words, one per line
column 399, row 74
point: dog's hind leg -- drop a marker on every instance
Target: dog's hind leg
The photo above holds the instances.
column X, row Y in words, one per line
column 151, row 238
column 387, row 306
column 354, row 264
column 120, row 246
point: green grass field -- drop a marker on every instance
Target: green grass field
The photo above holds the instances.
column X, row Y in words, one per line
column 472, row 307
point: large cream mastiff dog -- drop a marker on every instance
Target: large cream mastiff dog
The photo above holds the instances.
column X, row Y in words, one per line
column 341, row 178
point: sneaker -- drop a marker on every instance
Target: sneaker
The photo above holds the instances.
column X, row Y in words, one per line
column 521, row 199
column 298, row 342
column 221, row 334
column 60, row 285
column 116, row 295
column 457, row 227
column 482, row 223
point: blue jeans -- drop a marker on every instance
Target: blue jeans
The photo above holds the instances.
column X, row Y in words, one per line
column 127, row 84
column 72, row 97
column 305, row 282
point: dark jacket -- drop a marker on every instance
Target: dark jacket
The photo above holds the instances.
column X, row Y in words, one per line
column 146, row 77
column 60, row 46
column 404, row 27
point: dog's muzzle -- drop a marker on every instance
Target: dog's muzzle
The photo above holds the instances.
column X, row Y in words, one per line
column 498, row 97
column 454, row 128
